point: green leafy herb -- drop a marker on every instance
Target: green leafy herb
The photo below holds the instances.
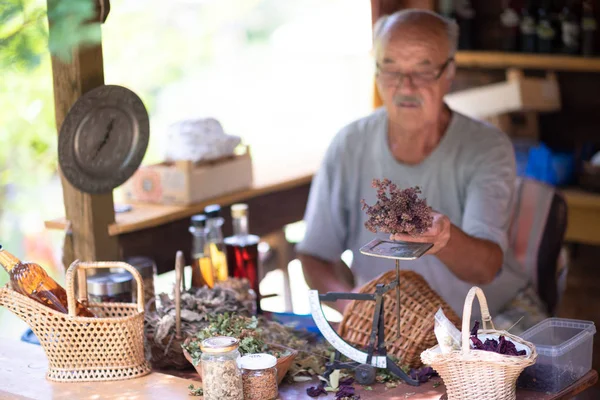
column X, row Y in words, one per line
column 195, row 391
column 368, row 388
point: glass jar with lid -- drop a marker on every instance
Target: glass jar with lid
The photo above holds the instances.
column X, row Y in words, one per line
column 221, row 376
column 110, row 288
column 259, row 376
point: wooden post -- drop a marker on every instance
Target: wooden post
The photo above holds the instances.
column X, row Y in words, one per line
column 89, row 215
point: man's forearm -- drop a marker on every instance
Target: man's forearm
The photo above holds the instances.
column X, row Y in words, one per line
column 322, row 276
column 471, row 259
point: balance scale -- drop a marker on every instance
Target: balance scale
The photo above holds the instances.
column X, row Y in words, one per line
column 365, row 363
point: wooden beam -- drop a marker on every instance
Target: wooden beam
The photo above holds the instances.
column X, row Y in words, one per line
column 89, row 215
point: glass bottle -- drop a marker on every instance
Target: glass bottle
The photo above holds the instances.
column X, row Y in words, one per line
column 31, row 280
column 214, row 222
column 588, row 28
column 242, row 250
column 527, row 28
column 546, row 31
column 509, row 20
column 569, row 29
column 221, row 376
column 465, row 17
column 202, row 269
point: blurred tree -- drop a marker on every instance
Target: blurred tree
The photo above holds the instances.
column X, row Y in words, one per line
column 24, row 30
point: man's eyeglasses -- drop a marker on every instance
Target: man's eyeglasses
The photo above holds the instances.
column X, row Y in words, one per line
column 424, row 78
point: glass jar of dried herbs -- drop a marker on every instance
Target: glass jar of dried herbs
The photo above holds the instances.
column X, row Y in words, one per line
column 259, row 376
column 221, row 376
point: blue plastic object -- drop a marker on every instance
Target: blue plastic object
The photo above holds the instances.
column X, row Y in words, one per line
column 537, row 161
column 29, row 337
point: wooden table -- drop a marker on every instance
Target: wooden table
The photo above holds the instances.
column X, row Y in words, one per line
column 23, row 367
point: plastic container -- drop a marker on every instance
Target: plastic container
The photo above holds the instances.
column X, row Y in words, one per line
column 564, row 349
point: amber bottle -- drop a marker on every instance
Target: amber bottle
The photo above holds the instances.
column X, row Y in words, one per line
column 30, row 279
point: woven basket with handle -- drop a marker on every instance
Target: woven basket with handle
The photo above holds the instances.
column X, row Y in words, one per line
column 477, row 374
column 80, row 349
column 418, row 305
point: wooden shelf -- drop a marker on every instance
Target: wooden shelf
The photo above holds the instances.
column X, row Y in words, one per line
column 501, row 60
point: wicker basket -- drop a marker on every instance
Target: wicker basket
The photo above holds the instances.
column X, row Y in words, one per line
column 82, row 349
column 418, row 305
column 477, row 374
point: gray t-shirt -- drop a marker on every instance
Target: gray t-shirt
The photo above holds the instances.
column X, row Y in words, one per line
column 470, row 177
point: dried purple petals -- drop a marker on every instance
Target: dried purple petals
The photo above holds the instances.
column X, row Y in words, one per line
column 316, row 391
column 423, row 374
column 500, row 346
column 402, row 211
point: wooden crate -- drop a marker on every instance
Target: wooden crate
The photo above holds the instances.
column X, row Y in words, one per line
column 516, row 94
column 185, row 182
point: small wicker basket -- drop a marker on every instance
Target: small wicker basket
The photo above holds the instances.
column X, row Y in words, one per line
column 477, row 374
column 82, row 349
column 418, row 305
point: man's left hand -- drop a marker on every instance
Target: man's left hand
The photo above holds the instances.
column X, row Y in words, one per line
column 438, row 234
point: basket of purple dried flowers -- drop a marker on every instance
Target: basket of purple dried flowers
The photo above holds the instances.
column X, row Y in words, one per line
column 489, row 362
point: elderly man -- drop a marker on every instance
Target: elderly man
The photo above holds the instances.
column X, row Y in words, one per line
column 465, row 168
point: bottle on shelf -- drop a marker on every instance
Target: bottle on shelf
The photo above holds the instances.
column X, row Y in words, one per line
column 446, row 8
column 242, row 250
column 588, row 28
column 570, row 36
column 214, row 223
column 509, row 20
column 31, row 280
column 203, row 273
column 527, row 28
column 546, row 31
column 465, row 18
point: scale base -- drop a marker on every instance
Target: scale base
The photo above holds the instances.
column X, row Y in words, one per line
column 365, row 374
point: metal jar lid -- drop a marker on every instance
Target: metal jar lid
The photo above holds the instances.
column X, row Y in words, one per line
column 110, row 284
column 219, row 344
column 144, row 265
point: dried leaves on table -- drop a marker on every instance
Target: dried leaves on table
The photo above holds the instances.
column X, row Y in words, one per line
column 163, row 348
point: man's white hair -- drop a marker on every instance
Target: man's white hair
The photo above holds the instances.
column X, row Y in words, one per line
column 386, row 22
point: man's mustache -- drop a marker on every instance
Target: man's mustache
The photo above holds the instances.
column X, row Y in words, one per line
column 402, row 99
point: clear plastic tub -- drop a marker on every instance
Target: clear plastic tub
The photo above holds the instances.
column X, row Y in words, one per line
column 564, row 349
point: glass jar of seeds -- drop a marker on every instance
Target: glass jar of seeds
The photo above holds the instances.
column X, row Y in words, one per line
column 221, row 376
column 259, row 376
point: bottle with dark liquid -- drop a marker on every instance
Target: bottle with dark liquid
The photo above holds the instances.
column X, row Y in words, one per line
column 509, row 20
column 465, row 17
column 588, row 28
column 242, row 250
column 527, row 28
column 31, row 280
column 214, row 222
column 570, row 29
column 203, row 273
column 546, row 31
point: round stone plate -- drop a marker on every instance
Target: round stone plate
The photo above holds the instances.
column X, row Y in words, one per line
column 103, row 139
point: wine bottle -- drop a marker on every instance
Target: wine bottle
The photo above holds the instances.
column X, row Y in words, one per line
column 465, row 17
column 588, row 28
column 31, row 280
column 242, row 250
column 527, row 28
column 570, row 29
column 546, row 32
column 509, row 20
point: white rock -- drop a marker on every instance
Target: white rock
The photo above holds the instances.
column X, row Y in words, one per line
column 199, row 140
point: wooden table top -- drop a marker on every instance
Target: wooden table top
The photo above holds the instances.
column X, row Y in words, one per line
column 23, row 367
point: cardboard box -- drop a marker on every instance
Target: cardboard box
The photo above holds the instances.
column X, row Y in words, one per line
column 185, row 182
column 517, row 93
